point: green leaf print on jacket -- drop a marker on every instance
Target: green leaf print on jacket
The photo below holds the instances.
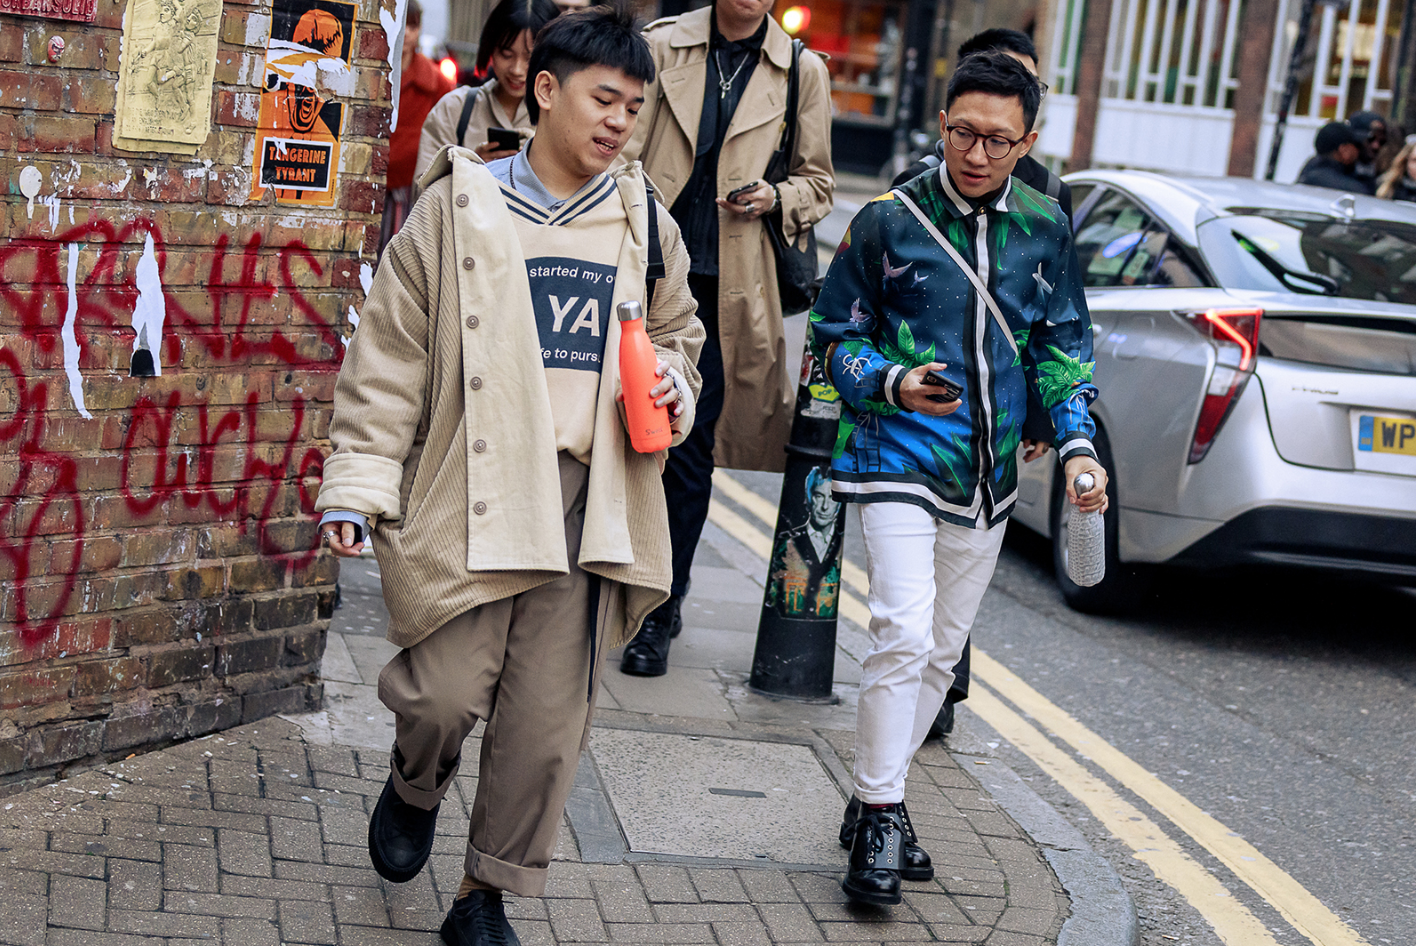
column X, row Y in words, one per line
column 903, row 352
column 952, row 468
column 1057, row 376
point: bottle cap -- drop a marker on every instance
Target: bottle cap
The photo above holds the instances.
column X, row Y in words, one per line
column 1083, row 483
column 629, row 311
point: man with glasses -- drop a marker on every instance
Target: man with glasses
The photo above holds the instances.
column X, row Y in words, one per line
column 1038, row 432
column 949, row 299
column 1029, row 170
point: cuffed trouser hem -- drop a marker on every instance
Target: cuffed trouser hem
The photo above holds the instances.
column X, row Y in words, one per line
column 418, row 797
column 514, row 879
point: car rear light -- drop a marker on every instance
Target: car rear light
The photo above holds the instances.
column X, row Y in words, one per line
column 1235, row 335
column 448, row 67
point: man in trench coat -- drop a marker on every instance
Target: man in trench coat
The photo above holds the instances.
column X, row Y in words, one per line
column 711, row 121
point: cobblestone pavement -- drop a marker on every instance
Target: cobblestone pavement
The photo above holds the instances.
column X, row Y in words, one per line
column 257, row 836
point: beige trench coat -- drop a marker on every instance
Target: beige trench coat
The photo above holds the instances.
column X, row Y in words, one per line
column 757, row 411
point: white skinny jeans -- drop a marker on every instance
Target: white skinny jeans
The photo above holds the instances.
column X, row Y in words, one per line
column 927, row 579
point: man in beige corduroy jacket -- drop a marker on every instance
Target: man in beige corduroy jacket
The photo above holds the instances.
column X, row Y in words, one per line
column 478, row 436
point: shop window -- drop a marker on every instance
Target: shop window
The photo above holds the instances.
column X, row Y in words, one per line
column 864, row 40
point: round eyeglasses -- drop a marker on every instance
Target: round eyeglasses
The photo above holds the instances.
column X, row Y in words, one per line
column 995, row 146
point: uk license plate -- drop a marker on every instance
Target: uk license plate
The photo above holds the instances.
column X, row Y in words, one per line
column 1377, row 434
column 1384, row 443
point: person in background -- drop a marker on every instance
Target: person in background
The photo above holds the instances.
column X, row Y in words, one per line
column 1399, row 181
column 1371, row 130
column 935, row 474
column 505, row 50
column 419, row 91
column 1338, row 150
column 532, row 546
column 705, row 136
column 1037, row 429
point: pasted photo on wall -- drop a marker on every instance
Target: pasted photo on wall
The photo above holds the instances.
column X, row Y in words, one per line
column 297, row 137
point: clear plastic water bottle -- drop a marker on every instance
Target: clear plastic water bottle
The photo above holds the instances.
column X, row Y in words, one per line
column 1086, row 540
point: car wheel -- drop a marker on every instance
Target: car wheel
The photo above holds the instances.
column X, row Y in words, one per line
column 1123, row 585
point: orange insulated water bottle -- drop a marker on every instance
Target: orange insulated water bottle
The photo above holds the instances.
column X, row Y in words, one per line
column 648, row 424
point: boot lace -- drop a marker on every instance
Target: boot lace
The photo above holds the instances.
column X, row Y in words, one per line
column 879, row 825
column 489, row 923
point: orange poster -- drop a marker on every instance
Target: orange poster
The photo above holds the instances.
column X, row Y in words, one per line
column 307, row 65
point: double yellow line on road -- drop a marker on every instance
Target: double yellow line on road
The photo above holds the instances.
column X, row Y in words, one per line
column 1234, row 923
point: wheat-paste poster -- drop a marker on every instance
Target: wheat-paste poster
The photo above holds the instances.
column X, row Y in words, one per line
column 307, row 64
column 164, row 89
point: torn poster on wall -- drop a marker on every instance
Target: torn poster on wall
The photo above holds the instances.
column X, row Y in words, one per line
column 297, row 136
column 165, row 78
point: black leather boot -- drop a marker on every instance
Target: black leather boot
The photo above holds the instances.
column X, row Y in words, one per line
column 648, row 654
column 400, row 836
column 877, row 856
column 917, row 865
column 943, row 724
column 478, row 919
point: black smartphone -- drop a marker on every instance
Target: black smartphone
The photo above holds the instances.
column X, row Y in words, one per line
column 951, row 390
column 505, row 139
column 737, row 192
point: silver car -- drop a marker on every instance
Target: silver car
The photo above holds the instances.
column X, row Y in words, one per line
column 1255, row 349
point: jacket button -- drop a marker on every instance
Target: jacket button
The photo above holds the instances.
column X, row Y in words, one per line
column 468, row 263
column 476, row 384
column 473, row 321
column 480, row 508
column 462, row 200
column 479, row 446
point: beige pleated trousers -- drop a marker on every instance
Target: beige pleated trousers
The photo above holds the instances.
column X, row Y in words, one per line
column 530, row 666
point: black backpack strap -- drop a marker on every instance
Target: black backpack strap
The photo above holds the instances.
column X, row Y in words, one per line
column 656, row 270
column 1054, row 185
column 466, row 118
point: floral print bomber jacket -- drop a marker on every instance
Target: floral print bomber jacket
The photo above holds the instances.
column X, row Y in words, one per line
column 894, row 299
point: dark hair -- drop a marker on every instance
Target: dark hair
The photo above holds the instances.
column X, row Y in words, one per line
column 414, row 16
column 508, row 20
column 605, row 35
column 996, row 73
column 1012, row 41
column 1334, row 135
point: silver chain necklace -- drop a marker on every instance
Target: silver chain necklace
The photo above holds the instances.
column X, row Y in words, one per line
column 726, row 85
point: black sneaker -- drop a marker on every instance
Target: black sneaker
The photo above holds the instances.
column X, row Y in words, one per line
column 917, row 863
column 877, row 856
column 400, row 836
column 648, row 654
column 478, row 919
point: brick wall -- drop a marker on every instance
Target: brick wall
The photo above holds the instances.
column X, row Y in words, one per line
column 159, row 572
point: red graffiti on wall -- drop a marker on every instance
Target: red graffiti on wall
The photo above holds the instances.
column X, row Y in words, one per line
column 42, row 494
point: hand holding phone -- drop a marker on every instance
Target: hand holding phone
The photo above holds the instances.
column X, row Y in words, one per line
column 950, row 391
column 504, row 139
column 737, row 192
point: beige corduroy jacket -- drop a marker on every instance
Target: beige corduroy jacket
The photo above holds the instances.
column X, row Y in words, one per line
column 442, row 426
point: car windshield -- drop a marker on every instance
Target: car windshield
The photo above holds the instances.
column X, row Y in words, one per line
column 1314, row 254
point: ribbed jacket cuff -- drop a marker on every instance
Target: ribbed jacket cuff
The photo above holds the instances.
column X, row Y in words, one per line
column 894, row 380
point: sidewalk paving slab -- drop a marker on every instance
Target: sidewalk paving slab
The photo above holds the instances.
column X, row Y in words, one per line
column 702, row 813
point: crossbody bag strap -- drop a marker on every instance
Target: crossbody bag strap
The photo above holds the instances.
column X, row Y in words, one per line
column 465, row 118
column 978, row 285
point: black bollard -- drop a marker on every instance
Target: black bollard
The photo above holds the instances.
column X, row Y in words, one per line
column 796, row 634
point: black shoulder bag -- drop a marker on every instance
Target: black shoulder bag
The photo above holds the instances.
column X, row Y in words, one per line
column 796, row 264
